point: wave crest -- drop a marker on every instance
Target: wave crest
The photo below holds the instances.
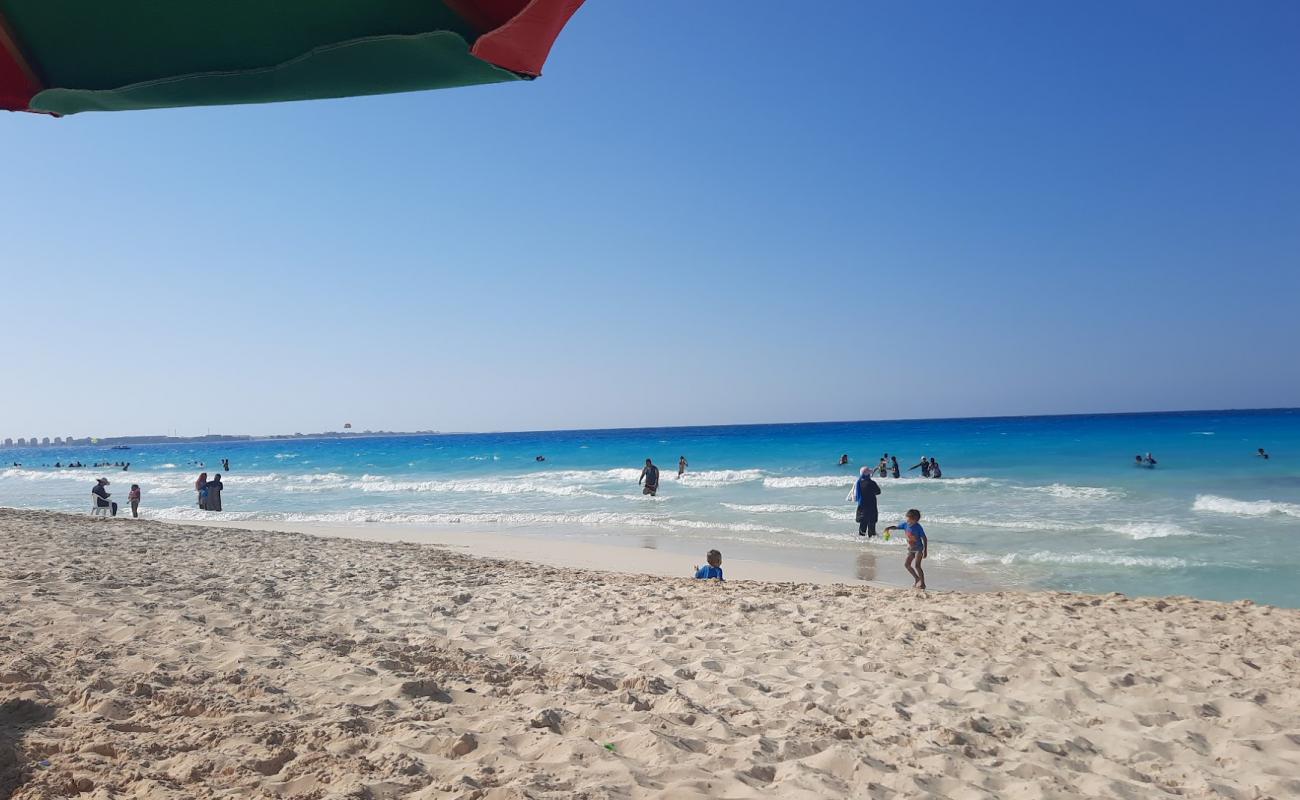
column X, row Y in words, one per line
column 1244, row 508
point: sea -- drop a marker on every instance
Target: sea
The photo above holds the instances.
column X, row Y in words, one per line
column 1049, row 502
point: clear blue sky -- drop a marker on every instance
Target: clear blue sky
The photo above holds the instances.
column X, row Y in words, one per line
column 704, row 212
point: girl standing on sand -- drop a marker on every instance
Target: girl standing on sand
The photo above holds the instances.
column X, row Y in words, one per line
column 201, row 486
column 133, row 497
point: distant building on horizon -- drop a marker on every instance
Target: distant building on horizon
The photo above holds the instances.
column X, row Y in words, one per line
column 9, row 442
column 45, row 441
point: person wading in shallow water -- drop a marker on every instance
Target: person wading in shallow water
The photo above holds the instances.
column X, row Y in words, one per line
column 214, row 493
column 864, row 494
column 649, row 474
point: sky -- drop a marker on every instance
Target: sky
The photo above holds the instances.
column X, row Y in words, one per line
column 703, row 213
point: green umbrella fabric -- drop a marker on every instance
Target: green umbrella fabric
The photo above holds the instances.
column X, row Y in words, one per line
column 77, row 55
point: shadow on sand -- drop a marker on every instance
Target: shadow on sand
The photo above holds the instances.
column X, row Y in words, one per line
column 17, row 717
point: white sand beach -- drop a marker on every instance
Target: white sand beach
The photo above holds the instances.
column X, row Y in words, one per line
column 149, row 660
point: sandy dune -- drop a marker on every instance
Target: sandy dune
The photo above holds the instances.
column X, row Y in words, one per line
column 143, row 660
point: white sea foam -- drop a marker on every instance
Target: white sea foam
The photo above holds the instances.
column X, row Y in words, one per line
column 1014, row 523
column 808, row 481
column 87, row 475
column 830, row 481
column 718, row 477
column 509, row 486
column 769, row 508
column 587, row 476
column 1075, row 492
column 1243, row 508
column 1097, row 558
column 1150, row 530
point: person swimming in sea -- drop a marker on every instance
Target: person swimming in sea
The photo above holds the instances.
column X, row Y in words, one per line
column 924, row 465
column 844, row 459
column 935, row 472
column 1150, row 460
column 883, row 469
column 893, row 466
column 1262, row 454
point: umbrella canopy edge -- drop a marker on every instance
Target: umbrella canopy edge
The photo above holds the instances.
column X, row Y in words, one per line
column 371, row 65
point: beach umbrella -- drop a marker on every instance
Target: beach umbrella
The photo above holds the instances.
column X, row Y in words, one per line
column 68, row 56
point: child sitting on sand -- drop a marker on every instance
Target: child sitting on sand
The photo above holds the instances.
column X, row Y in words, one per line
column 711, row 570
column 918, row 546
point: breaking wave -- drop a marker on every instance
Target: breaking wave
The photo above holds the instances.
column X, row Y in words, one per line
column 1100, row 558
column 830, row 481
column 1244, row 508
column 770, row 508
column 1075, row 492
column 1151, row 530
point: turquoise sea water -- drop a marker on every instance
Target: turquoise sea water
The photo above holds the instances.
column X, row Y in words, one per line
column 1027, row 501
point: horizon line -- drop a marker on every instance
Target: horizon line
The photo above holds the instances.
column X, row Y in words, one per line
column 428, row 432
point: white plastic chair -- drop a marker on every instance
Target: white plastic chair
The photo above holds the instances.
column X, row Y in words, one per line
column 97, row 510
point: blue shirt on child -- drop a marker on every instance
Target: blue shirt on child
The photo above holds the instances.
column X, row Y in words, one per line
column 708, row 571
column 915, row 529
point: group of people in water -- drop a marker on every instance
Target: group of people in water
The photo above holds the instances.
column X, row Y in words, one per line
column 649, row 480
column 209, row 491
column 125, row 465
column 1150, row 462
column 888, row 466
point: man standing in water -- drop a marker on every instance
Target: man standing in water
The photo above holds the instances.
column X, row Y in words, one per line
column 681, row 466
column 864, row 494
column 649, row 474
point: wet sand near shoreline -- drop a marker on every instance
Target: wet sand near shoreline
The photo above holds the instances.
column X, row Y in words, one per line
column 630, row 552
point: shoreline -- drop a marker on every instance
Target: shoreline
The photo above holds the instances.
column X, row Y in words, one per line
column 656, row 556
column 156, row 661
